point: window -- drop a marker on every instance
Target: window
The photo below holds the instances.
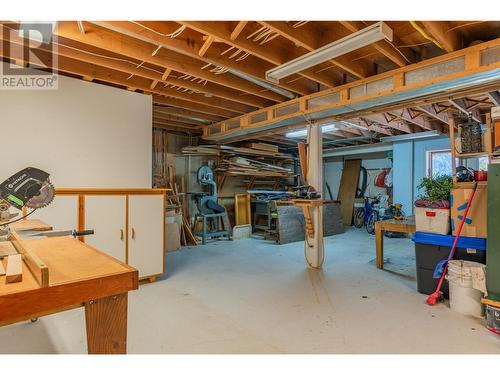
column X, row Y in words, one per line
column 439, row 163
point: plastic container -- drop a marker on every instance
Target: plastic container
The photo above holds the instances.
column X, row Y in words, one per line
column 431, row 248
column 464, row 299
column 493, row 319
column 432, row 220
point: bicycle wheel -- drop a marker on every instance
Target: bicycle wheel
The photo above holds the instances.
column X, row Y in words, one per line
column 370, row 224
column 359, row 217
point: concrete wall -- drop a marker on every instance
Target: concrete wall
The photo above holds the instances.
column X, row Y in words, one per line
column 83, row 134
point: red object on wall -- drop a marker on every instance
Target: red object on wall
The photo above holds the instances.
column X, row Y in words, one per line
column 380, row 179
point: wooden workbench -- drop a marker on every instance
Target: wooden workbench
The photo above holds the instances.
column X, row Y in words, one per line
column 404, row 226
column 79, row 276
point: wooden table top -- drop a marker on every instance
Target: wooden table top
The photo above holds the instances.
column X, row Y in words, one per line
column 406, row 225
column 30, row 224
column 69, row 261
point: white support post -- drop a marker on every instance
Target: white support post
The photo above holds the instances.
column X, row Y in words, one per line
column 314, row 251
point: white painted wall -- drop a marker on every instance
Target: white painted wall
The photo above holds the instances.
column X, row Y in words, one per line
column 83, row 134
column 333, row 171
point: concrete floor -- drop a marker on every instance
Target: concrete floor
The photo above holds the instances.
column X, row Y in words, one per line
column 252, row 296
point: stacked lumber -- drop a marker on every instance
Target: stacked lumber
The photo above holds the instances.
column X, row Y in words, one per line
column 224, row 150
column 248, row 167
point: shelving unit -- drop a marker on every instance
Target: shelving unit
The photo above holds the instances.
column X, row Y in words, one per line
column 487, row 148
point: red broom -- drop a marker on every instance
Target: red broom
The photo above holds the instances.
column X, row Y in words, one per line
column 435, row 297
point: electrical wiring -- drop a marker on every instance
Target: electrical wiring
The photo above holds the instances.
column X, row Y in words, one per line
column 172, row 35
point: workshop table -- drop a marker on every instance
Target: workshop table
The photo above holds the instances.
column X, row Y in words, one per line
column 79, row 275
column 406, row 225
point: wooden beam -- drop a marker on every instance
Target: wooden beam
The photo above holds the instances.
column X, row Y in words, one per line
column 158, row 120
column 153, row 84
column 198, row 107
column 310, row 42
column 431, row 110
column 14, row 272
column 461, row 105
column 215, row 55
column 166, row 117
column 409, row 116
column 238, row 29
column 127, row 46
column 393, row 122
column 397, row 56
column 204, row 48
column 450, row 40
column 494, row 97
column 185, row 113
column 177, row 128
column 274, row 55
column 121, row 63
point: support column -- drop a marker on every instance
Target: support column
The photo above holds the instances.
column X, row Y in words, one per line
column 314, row 251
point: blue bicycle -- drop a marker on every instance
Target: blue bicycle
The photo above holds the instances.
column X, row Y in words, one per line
column 367, row 215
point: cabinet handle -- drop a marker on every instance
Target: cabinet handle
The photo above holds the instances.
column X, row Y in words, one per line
column 121, row 234
column 133, row 233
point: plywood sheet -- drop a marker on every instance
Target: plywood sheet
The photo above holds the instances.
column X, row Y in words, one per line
column 242, row 214
column 6, row 249
column 347, row 189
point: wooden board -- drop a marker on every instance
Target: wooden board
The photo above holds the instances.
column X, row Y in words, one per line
column 262, row 146
column 35, row 224
column 242, row 214
column 2, row 268
column 14, row 273
column 347, row 189
column 6, row 249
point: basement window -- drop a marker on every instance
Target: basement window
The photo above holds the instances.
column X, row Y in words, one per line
column 439, row 163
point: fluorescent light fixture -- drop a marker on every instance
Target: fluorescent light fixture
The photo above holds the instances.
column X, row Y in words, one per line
column 302, row 133
column 371, row 34
column 266, row 85
column 410, row 137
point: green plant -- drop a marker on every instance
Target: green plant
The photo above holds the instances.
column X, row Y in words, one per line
column 436, row 188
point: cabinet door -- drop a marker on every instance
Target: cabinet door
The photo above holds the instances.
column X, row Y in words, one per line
column 62, row 213
column 106, row 214
column 146, row 230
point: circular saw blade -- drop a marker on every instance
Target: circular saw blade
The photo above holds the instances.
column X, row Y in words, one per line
column 44, row 198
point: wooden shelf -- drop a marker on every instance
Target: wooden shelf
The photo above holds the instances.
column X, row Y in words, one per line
column 486, row 301
column 472, row 155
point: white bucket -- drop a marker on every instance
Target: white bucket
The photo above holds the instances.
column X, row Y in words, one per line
column 464, row 299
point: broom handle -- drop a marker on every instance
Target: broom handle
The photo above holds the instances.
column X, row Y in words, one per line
column 457, row 236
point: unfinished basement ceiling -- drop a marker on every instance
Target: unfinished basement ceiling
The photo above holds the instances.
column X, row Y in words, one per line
column 203, row 72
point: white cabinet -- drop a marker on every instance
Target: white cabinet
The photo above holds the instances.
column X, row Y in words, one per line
column 146, row 230
column 106, row 214
column 132, row 231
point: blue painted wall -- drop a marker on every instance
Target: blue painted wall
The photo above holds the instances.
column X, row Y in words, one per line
column 409, row 167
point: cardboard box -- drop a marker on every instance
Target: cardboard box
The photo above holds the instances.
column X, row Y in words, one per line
column 432, row 220
column 476, row 223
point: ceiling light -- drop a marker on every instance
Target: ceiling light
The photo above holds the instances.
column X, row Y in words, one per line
column 409, row 137
column 302, row 133
column 371, row 34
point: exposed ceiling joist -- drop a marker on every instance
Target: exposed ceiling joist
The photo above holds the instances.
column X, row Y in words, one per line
column 137, row 49
column 462, row 106
column 191, row 106
column 494, row 97
column 310, row 42
column 432, row 111
column 189, row 44
column 221, row 32
column 185, row 113
column 450, row 40
column 397, row 56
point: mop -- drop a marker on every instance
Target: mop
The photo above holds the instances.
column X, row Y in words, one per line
column 442, row 266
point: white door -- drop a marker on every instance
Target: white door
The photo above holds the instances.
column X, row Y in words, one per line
column 62, row 213
column 145, row 230
column 106, row 214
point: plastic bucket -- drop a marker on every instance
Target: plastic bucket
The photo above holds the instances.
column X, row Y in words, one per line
column 464, row 299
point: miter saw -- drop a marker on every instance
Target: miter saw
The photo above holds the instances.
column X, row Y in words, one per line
column 29, row 188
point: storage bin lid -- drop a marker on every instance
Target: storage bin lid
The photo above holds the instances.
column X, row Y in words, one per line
column 447, row 240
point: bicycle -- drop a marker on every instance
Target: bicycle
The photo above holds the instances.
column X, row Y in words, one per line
column 367, row 216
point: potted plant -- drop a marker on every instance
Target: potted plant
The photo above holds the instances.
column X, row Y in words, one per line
column 432, row 210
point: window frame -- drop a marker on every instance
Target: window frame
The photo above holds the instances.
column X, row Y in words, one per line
column 428, row 165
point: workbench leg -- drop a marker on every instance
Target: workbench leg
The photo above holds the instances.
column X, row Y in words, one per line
column 106, row 321
column 314, row 250
column 379, row 245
